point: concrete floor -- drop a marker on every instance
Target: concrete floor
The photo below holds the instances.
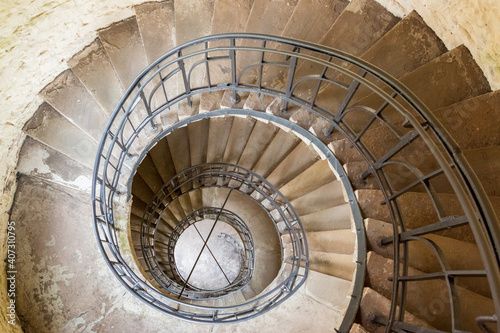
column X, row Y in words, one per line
column 207, row 274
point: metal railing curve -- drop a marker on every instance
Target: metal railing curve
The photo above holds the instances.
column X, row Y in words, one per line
column 345, row 98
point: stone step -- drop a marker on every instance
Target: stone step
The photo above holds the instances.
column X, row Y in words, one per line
column 50, row 127
column 328, row 290
column 374, row 304
column 340, row 241
column 326, row 13
column 312, row 178
column 178, row 142
column 193, row 19
column 474, row 122
column 267, row 17
column 148, row 171
column 327, row 196
column 277, row 150
column 218, row 135
column 416, row 209
column 338, row 217
column 156, row 21
column 228, row 102
column 70, row 97
column 427, row 294
column 39, row 160
column 333, row 264
column 421, row 46
column 351, row 33
column 241, row 130
column 95, row 70
column 261, row 136
column 210, row 101
column 484, row 161
column 141, row 189
column 198, row 132
column 459, row 255
column 296, row 162
column 162, row 159
column 123, row 44
column 455, row 66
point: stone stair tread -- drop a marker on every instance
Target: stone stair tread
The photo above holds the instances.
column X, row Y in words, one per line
column 148, row 171
column 198, row 141
column 338, row 217
column 281, row 145
column 160, row 154
column 41, row 161
column 423, row 293
column 415, row 216
column 329, row 290
column 460, row 255
column 86, row 113
column 259, row 139
column 351, row 26
column 375, row 304
column 324, row 197
column 50, row 127
column 210, row 101
column 241, row 130
column 124, row 46
column 474, row 122
column 296, row 162
column 340, row 241
column 156, row 21
column 309, row 180
column 484, row 161
column 337, row 265
column 218, row 135
column 94, row 68
column 230, row 16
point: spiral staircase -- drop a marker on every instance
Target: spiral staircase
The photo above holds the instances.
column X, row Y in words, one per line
column 327, row 151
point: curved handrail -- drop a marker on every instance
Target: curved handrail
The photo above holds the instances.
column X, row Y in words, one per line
column 389, row 98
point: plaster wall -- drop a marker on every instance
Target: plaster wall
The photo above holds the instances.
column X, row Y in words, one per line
column 38, row 36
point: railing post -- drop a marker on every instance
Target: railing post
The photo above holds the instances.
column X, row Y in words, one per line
column 291, row 75
column 182, row 67
column 232, row 55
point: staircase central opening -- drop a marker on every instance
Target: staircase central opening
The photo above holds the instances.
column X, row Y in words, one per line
column 220, row 261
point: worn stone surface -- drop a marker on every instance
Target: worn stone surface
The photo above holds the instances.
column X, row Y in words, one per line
column 297, row 161
column 41, row 161
column 262, row 135
column 198, row 141
column 414, row 216
column 218, row 135
column 94, row 68
column 324, row 197
column 283, row 143
column 429, row 299
column 50, row 127
column 241, row 130
column 123, row 44
column 156, row 21
column 312, row 178
column 457, row 25
column 338, row 217
column 459, row 255
column 373, row 303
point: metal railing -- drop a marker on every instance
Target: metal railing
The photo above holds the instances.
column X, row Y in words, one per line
column 347, row 98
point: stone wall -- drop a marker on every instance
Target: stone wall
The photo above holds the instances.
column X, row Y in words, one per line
column 38, row 36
